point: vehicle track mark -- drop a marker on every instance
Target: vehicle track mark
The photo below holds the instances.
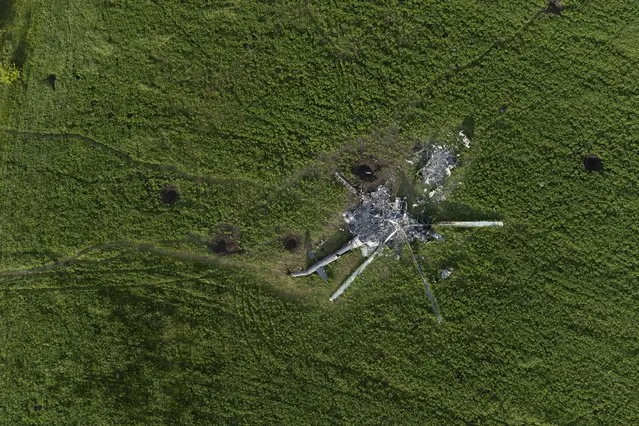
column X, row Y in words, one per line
column 128, row 159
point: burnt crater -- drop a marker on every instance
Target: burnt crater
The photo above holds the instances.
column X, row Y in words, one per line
column 592, row 163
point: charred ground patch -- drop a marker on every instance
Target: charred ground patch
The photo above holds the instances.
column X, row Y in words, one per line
column 592, row 163
column 169, row 194
column 555, row 7
column 368, row 172
column 225, row 241
column 51, row 81
column 291, row 242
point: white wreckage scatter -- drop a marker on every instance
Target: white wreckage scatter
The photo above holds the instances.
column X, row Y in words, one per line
column 374, row 223
column 464, row 139
column 376, row 217
column 440, row 162
column 447, row 272
column 380, row 220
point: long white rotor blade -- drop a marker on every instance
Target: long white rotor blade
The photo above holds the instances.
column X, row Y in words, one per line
column 429, row 293
column 474, row 224
column 353, row 244
column 361, row 267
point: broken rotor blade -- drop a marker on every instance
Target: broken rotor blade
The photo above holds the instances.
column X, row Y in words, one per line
column 352, row 244
column 341, row 179
column 475, row 224
column 361, row 268
column 322, row 273
column 311, row 256
column 429, row 293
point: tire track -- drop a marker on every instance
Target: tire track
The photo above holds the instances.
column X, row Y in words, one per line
column 126, row 244
column 64, row 262
column 258, row 329
column 244, row 325
column 476, row 61
column 128, row 159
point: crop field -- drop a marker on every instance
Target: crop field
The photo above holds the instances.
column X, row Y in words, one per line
column 156, row 155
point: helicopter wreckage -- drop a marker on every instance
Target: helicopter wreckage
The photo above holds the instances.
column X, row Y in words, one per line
column 380, row 220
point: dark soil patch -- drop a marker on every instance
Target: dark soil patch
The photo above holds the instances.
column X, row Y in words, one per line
column 169, row 194
column 226, row 241
column 555, row 6
column 291, row 242
column 222, row 244
column 50, row 80
column 592, row 163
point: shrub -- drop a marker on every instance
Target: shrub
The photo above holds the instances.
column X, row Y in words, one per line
column 8, row 73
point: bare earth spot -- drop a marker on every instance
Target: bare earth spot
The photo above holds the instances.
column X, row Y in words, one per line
column 291, row 242
column 169, row 194
column 592, row 163
column 222, row 244
column 226, row 241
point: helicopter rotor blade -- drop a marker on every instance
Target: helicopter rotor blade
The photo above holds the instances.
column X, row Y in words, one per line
column 361, row 267
column 427, row 289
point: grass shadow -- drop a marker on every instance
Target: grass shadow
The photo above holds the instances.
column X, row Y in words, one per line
column 6, row 11
column 468, row 126
column 453, row 211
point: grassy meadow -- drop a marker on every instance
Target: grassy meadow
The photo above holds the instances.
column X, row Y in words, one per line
column 115, row 310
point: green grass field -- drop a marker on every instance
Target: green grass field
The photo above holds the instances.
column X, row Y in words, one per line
column 113, row 310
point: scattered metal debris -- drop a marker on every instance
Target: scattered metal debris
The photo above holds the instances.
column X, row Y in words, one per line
column 380, row 220
column 441, row 161
column 447, row 272
column 376, row 216
column 465, row 140
column 438, row 163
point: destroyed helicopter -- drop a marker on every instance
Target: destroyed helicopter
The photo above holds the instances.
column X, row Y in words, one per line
column 380, row 220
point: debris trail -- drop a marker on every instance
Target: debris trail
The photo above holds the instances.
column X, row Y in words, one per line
column 442, row 160
column 380, row 220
